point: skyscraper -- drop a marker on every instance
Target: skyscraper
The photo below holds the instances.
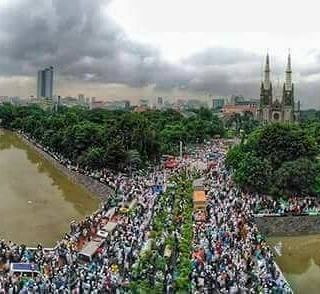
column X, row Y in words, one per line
column 82, row 99
column 45, row 83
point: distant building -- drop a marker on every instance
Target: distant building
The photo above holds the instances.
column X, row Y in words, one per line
column 127, row 104
column 230, row 109
column 181, row 102
column 235, row 99
column 70, row 101
column 159, row 102
column 249, row 101
column 45, row 83
column 97, row 104
column 144, row 102
column 195, row 104
column 4, row 99
column 140, row 109
column 57, row 102
column 117, row 105
column 217, row 103
column 92, row 102
column 14, row 100
column 281, row 109
column 82, row 99
column 43, row 103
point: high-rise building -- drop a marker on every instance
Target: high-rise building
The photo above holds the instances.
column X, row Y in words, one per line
column 45, row 83
column 278, row 109
column 217, row 103
column 82, row 99
column 159, row 103
column 92, row 103
column 126, row 104
column 39, row 84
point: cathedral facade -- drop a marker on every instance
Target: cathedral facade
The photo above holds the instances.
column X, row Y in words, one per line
column 281, row 109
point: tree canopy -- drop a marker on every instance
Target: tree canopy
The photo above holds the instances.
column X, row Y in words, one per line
column 280, row 159
column 115, row 139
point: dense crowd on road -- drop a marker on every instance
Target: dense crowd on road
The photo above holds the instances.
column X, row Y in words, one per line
column 229, row 254
column 60, row 268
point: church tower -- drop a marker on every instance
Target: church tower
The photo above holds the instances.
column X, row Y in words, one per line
column 288, row 94
column 266, row 93
column 282, row 109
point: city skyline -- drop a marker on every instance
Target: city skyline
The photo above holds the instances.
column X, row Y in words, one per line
column 119, row 50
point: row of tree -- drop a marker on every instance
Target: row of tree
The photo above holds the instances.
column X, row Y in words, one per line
column 114, row 139
column 279, row 159
column 165, row 266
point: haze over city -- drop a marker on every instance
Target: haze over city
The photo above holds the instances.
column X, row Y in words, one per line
column 132, row 49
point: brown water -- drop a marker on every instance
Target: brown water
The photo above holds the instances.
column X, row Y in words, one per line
column 300, row 262
column 37, row 201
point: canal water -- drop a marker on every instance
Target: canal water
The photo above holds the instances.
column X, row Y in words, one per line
column 299, row 261
column 37, row 201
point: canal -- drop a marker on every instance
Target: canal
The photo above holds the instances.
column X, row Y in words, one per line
column 37, row 201
column 299, row 260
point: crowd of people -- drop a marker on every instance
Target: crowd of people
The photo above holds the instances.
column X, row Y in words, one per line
column 229, row 255
column 266, row 205
column 60, row 270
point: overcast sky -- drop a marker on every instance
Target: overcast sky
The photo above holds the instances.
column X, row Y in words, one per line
column 145, row 48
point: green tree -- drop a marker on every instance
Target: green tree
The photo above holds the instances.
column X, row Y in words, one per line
column 254, row 173
column 116, row 156
column 234, row 157
column 133, row 159
column 7, row 115
column 279, row 159
column 297, row 177
column 282, row 142
column 94, row 158
column 77, row 133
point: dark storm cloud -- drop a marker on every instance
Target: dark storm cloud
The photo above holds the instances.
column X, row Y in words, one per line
column 72, row 35
column 83, row 43
column 222, row 56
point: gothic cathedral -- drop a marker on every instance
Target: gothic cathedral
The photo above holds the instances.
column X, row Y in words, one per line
column 275, row 110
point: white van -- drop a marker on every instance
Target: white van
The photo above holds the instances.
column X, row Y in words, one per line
column 90, row 249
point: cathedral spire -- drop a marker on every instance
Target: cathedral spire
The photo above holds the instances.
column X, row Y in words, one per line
column 288, row 84
column 267, row 74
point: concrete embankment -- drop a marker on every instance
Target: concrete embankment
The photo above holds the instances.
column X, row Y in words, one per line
column 88, row 183
column 288, row 225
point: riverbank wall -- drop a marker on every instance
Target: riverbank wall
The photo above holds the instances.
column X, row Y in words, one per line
column 93, row 186
column 288, row 225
